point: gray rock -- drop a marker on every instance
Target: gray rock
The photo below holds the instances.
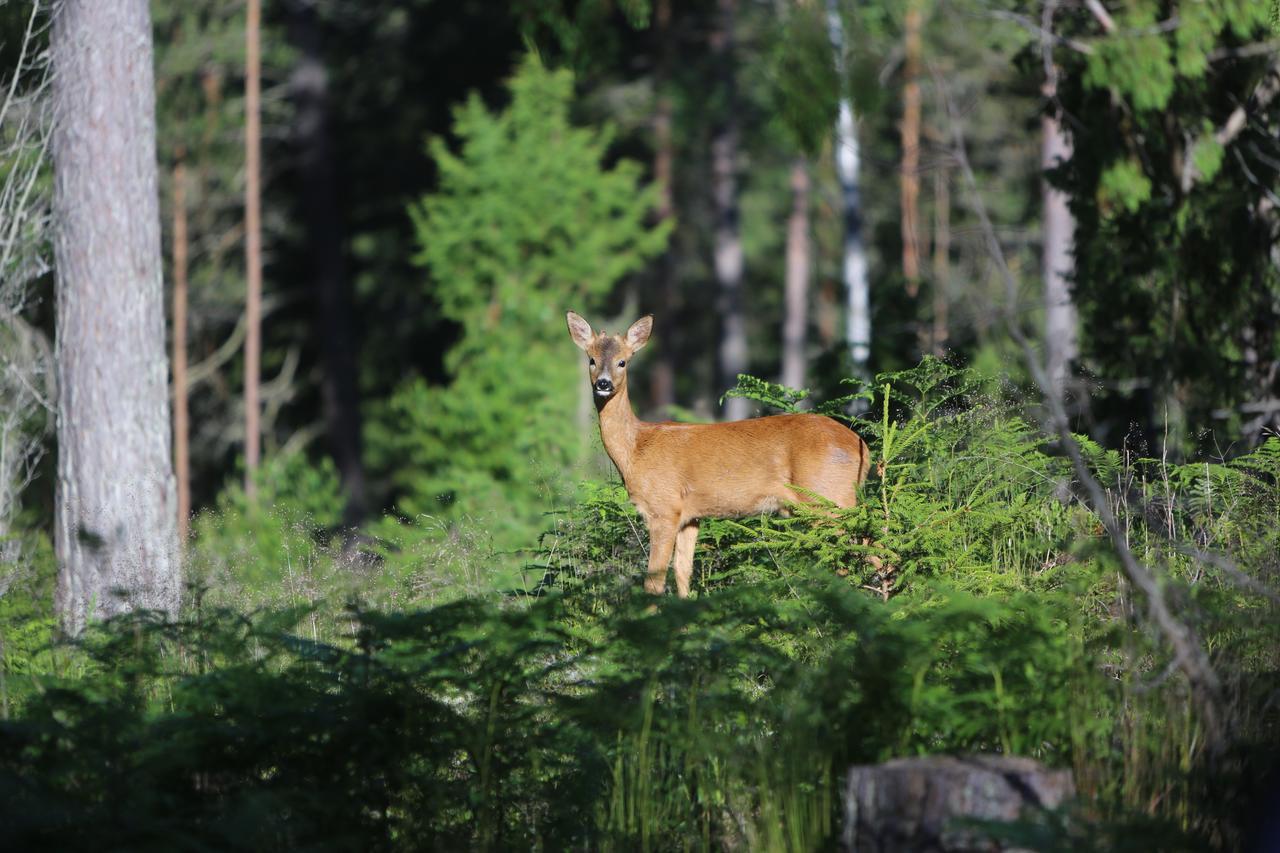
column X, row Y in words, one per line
column 917, row 805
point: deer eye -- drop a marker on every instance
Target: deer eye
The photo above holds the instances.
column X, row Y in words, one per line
column 591, row 361
column 622, row 364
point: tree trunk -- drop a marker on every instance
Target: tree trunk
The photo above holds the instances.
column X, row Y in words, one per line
column 115, row 508
column 854, row 265
column 1059, row 233
column 728, row 235
column 662, row 378
column 252, row 244
column 941, row 261
column 181, row 427
column 910, row 132
column 322, row 216
column 795, row 323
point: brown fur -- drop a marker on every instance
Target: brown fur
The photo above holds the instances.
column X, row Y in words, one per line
column 677, row 474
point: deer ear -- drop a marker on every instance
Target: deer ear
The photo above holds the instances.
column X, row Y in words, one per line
column 638, row 334
column 579, row 330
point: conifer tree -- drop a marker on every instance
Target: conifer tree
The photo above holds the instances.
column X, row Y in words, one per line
column 526, row 223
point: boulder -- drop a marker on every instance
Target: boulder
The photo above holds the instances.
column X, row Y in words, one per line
column 921, row 804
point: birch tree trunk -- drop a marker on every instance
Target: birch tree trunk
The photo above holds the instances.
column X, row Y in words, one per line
column 728, row 235
column 795, row 322
column 1060, row 341
column 1061, row 347
column 854, row 262
column 115, row 508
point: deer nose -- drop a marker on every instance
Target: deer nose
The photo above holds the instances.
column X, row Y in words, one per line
column 604, row 386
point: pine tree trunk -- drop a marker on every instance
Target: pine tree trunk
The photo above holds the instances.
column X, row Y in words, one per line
column 854, row 263
column 795, row 322
column 728, row 235
column 662, row 378
column 322, row 217
column 252, row 244
column 181, row 425
column 115, row 507
column 910, row 133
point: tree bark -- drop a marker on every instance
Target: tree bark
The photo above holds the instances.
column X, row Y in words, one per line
column 181, row 426
column 910, row 134
column 252, row 244
column 115, row 508
column 854, row 265
column 322, row 217
column 728, row 235
column 662, row 379
column 795, row 323
column 941, row 261
column 1061, row 346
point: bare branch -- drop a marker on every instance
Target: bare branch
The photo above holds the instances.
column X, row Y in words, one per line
column 26, row 360
column 1040, row 31
column 1103, row 17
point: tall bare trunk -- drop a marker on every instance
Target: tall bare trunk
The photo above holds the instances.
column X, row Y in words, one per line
column 322, row 216
column 941, row 260
column 181, row 426
column 115, row 504
column 1061, row 346
column 252, row 243
column 854, row 265
column 910, row 133
column 662, row 379
column 728, row 234
column 795, row 322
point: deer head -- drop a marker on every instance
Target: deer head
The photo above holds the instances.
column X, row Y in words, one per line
column 608, row 355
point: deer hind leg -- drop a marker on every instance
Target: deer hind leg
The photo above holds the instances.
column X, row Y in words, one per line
column 662, row 538
column 686, row 540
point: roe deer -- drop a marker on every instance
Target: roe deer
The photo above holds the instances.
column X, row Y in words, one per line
column 677, row 474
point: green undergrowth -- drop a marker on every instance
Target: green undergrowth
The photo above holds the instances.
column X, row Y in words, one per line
column 395, row 695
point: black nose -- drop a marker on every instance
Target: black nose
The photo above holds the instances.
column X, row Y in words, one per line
column 604, row 386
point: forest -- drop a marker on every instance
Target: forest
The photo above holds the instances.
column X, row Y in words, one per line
column 309, row 536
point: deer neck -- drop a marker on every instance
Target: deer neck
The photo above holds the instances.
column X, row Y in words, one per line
column 618, row 429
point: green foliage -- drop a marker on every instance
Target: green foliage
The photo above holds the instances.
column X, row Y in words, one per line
column 1171, row 214
column 27, row 620
column 510, row 243
column 803, row 85
column 576, row 714
column 1123, row 186
column 258, row 543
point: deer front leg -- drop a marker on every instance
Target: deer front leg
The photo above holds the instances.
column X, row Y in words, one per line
column 662, row 538
column 686, row 541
